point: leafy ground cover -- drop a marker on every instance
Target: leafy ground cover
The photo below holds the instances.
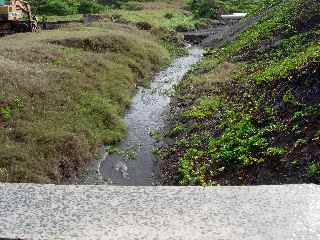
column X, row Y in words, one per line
column 249, row 113
column 63, row 93
column 248, row 6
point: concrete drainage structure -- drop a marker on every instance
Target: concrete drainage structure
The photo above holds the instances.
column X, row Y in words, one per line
column 29, row 211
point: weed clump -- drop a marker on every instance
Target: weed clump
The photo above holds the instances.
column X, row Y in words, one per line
column 143, row 25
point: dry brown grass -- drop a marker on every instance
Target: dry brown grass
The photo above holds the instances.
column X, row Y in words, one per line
column 74, row 84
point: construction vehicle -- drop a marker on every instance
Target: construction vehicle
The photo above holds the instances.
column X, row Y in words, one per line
column 16, row 16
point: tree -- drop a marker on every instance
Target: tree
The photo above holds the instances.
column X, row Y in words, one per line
column 205, row 8
column 87, row 6
column 64, row 7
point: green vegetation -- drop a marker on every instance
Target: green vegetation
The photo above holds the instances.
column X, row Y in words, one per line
column 249, row 6
column 65, row 7
column 205, row 8
column 156, row 18
column 250, row 110
column 213, row 8
column 206, row 107
column 239, row 140
column 161, row 18
column 313, row 170
column 169, row 15
column 159, row 14
column 9, row 107
column 248, row 113
column 63, row 93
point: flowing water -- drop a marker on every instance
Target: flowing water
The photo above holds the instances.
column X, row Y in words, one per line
column 133, row 163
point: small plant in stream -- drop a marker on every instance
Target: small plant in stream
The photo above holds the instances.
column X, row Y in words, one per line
column 316, row 137
column 111, row 149
column 313, row 170
column 155, row 134
column 3, row 175
column 176, row 130
column 300, row 142
column 131, row 153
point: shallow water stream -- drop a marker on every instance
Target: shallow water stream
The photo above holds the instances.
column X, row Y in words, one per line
column 133, row 163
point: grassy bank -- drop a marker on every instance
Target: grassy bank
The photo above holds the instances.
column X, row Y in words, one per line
column 169, row 15
column 161, row 18
column 249, row 113
column 63, row 93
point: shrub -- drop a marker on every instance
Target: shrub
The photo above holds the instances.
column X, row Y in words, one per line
column 132, row 6
column 113, row 3
column 117, row 18
column 68, row 7
column 169, row 15
column 205, row 8
column 143, row 25
column 182, row 28
column 89, row 7
column 58, row 7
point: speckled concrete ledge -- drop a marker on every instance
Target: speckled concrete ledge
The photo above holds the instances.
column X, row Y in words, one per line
column 108, row 212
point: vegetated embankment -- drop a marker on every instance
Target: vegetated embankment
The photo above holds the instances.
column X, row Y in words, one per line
column 63, row 93
column 250, row 112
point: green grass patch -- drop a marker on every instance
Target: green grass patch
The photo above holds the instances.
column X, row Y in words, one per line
column 157, row 18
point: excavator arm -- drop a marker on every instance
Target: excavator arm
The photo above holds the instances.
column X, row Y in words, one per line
column 24, row 7
column 12, row 17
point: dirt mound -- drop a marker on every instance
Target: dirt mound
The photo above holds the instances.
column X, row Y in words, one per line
column 96, row 44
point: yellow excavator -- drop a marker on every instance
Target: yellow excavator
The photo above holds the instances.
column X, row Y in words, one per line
column 16, row 16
